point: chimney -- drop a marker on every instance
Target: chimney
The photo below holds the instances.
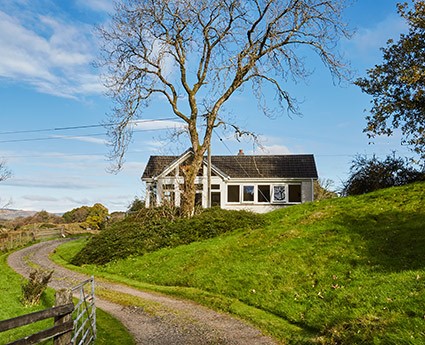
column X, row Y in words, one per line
column 240, row 153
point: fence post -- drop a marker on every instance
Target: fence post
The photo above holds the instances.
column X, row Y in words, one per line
column 63, row 297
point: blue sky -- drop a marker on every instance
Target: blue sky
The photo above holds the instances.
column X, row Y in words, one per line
column 48, row 85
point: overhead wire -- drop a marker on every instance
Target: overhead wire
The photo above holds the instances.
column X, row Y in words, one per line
column 80, row 127
column 73, row 128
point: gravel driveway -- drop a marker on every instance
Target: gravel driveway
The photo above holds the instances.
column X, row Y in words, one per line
column 179, row 321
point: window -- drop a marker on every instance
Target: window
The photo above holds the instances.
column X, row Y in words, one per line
column 279, row 193
column 233, row 193
column 198, row 199
column 168, row 194
column 294, row 191
column 263, row 193
column 215, row 186
column 248, row 193
column 169, row 197
column 215, row 198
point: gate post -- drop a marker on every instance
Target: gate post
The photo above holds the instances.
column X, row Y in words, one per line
column 63, row 297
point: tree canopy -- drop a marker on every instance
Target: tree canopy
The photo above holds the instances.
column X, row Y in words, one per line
column 398, row 84
column 197, row 54
column 93, row 217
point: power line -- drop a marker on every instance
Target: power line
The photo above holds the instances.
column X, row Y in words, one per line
column 76, row 136
column 79, row 127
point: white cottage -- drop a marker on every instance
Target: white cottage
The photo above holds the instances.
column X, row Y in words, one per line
column 257, row 183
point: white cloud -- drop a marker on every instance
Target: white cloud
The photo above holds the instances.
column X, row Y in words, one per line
column 73, row 183
column 88, row 139
column 367, row 41
column 275, row 150
column 39, row 198
column 97, row 5
column 157, row 124
column 50, row 54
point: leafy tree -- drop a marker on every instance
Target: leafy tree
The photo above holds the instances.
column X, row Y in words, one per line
column 197, row 54
column 398, row 85
column 136, row 205
column 367, row 175
column 94, row 217
column 97, row 217
column 77, row 215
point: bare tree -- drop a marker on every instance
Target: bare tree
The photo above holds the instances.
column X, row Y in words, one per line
column 197, row 54
column 5, row 173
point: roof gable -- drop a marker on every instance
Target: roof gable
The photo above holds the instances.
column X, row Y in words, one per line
column 242, row 166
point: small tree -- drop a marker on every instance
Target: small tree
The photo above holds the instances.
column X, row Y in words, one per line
column 368, row 175
column 323, row 189
column 97, row 217
column 36, row 285
column 136, row 205
column 93, row 217
column 5, row 173
column 197, row 54
column 398, row 85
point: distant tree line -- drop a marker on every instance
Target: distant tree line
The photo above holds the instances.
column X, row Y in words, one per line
column 89, row 217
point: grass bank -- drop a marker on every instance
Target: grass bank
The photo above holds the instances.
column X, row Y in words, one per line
column 342, row 271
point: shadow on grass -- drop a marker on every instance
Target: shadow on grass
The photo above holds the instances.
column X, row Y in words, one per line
column 395, row 241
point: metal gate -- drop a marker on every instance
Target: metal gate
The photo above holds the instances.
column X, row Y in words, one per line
column 84, row 314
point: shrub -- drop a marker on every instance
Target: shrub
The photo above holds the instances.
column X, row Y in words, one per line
column 155, row 228
column 35, row 286
column 368, row 175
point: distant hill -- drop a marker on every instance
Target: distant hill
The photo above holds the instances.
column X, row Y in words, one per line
column 12, row 214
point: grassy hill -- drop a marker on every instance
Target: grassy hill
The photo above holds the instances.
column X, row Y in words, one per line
column 341, row 271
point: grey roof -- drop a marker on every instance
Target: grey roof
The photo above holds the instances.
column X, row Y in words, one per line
column 246, row 166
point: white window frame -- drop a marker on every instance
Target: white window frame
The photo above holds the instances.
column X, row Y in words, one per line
column 270, row 185
column 227, row 194
column 242, row 192
column 256, row 189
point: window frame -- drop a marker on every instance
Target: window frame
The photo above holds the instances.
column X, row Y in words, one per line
column 258, row 193
column 256, row 189
column 239, row 194
column 242, row 191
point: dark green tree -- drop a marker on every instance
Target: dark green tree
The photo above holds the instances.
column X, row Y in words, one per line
column 398, row 84
column 370, row 174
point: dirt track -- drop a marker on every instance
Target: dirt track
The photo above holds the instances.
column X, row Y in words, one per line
column 177, row 322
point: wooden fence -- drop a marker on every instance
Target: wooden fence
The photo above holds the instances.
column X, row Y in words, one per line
column 72, row 324
column 13, row 239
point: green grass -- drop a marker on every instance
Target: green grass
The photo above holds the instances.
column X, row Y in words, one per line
column 110, row 330
column 341, row 271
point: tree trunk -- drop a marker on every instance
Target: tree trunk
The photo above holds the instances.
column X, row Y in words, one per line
column 190, row 171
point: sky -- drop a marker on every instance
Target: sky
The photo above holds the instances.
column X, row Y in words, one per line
column 53, row 105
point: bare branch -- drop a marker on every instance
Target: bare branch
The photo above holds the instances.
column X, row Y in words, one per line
column 5, row 173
